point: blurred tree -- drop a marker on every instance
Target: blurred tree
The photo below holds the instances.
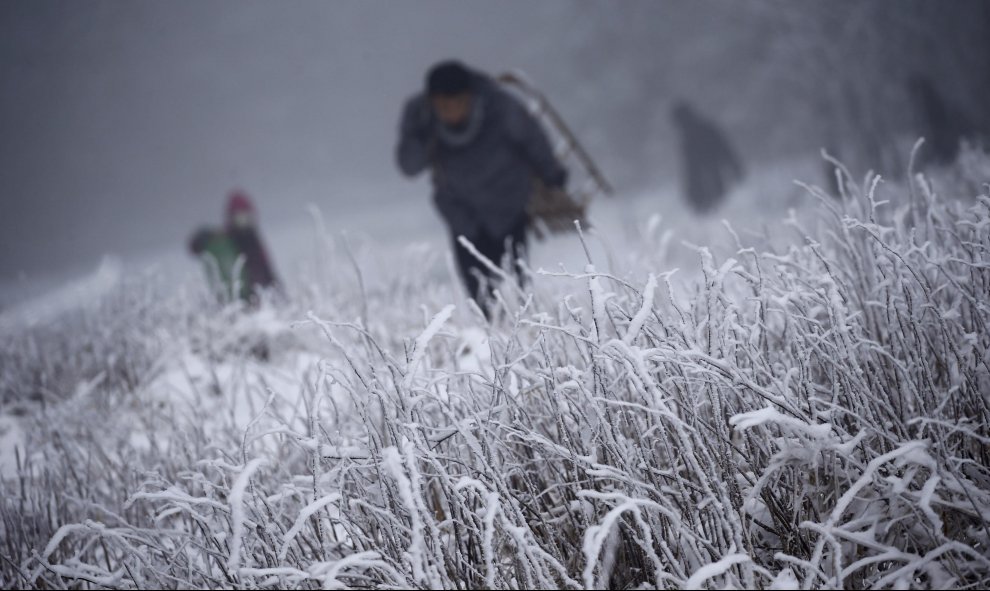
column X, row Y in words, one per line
column 850, row 63
column 941, row 123
column 783, row 77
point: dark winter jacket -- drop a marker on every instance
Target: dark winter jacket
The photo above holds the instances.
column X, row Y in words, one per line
column 235, row 261
column 482, row 175
column 256, row 266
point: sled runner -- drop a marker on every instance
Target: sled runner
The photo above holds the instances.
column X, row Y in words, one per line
column 556, row 210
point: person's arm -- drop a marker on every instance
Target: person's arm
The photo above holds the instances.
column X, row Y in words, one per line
column 534, row 145
column 723, row 157
column 732, row 159
column 413, row 151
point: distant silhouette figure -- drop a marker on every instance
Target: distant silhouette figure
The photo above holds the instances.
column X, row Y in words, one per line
column 237, row 265
column 710, row 165
column 942, row 126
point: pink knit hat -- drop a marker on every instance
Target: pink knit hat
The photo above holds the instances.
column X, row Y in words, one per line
column 238, row 204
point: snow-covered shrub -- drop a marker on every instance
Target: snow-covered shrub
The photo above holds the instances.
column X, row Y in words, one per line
column 813, row 416
column 113, row 340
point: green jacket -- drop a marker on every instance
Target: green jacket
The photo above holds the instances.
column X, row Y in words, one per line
column 225, row 268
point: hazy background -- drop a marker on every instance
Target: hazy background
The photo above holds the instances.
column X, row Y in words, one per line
column 124, row 124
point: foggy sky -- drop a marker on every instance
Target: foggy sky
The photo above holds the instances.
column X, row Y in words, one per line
column 126, row 123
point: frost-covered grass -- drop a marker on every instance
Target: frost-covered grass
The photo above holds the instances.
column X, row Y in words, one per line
column 811, row 415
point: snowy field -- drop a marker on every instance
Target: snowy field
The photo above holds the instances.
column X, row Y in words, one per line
column 798, row 399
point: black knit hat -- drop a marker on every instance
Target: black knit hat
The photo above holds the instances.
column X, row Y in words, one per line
column 448, row 78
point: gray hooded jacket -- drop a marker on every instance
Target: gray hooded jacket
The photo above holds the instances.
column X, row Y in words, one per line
column 483, row 174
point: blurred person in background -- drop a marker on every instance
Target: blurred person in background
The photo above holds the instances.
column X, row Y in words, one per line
column 485, row 152
column 236, row 263
column 709, row 163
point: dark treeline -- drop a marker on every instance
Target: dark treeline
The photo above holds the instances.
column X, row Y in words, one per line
column 781, row 77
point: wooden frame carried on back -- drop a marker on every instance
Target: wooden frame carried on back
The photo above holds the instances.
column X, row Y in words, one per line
column 555, row 210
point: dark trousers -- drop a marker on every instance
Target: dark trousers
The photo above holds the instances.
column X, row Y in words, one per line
column 478, row 280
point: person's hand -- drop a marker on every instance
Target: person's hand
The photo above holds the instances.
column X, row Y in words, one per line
column 560, row 182
column 554, row 210
column 417, row 117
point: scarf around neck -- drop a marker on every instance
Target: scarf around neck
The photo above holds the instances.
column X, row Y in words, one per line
column 465, row 134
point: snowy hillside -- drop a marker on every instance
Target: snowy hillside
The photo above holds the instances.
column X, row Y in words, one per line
column 804, row 403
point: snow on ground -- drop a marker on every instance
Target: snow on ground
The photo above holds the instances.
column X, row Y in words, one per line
column 50, row 305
